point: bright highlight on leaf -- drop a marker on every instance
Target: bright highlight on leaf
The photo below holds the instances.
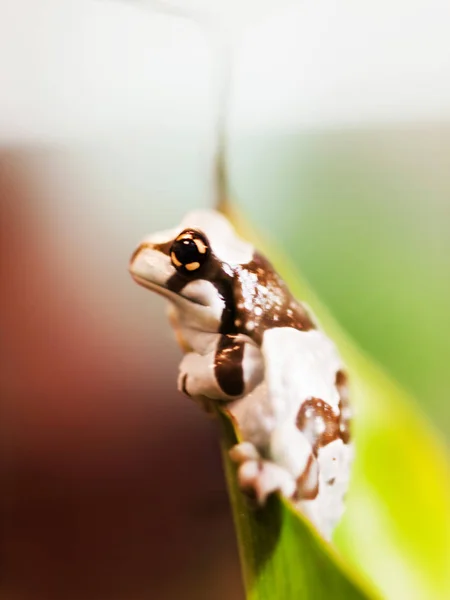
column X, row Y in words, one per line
column 396, row 530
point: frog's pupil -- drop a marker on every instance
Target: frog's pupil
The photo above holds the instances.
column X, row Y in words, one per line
column 186, row 251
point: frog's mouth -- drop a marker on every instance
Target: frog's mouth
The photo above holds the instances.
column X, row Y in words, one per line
column 162, row 290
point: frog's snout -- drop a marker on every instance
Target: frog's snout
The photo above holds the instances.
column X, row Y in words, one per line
column 137, row 251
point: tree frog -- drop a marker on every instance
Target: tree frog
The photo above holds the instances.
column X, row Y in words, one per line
column 250, row 344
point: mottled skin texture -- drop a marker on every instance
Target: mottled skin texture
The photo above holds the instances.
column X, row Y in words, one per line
column 250, row 343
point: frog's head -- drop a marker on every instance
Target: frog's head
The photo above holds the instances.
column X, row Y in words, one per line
column 193, row 266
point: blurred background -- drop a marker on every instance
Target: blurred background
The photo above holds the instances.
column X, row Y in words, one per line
column 111, row 482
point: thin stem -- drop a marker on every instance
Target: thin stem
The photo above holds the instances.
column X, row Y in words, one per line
column 220, row 40
column 222, row 47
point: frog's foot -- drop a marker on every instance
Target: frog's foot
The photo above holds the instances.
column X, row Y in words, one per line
column 258, row 478
column 243, row 452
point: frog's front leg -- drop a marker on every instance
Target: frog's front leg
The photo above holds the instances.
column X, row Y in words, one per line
column 232, row 369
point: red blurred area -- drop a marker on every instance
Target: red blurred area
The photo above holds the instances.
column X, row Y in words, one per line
column 111, row 482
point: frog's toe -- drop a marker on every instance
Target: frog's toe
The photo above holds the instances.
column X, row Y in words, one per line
column 243, row 452
column 260, row 478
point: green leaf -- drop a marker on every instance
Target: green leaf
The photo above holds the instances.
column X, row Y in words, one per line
column 282, row 556
column 396, row 530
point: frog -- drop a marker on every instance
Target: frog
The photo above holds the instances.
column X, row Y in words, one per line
column 250, row 346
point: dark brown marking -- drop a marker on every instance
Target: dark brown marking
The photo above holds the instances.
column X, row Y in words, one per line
column 228, row 365
column 318, row 421
column 177, row 282
column 344, row 407
column 308, row 481
column 264, row 301
column 331, row 481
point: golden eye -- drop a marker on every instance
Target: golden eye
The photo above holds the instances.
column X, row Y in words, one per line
column 189, row 251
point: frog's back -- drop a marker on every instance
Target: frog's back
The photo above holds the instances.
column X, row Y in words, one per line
column 263, row 301
column 299, row 420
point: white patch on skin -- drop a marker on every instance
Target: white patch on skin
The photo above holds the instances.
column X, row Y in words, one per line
column 254, row 414
column 204, row 292
column 326, row 510
column 319, row 426
column 299, row 365
column 200, row 341
column 152, row 266
column 252, row 365
column 289, row 448
column 312, row 476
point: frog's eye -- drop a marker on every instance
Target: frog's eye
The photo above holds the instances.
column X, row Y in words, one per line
column 189, row 251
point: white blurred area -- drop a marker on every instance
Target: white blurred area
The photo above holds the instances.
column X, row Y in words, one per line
column 118, row 97
column 80, row 69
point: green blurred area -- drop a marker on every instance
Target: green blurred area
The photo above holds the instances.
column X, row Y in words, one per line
column 366, row 215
